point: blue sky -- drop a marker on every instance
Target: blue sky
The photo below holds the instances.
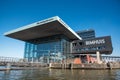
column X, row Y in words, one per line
column 101, row 15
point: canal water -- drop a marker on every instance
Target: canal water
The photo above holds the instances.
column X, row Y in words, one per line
column 60, row 74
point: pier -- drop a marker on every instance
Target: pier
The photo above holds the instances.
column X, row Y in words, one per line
column 10, row 63
column 85, row 66
column 107, row 62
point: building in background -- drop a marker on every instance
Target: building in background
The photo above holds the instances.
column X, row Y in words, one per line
column 52, row 40
column 86, row 34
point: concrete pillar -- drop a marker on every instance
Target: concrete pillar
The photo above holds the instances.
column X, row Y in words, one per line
column 50, row 65
column 26, row 59
column 8, row 66
column 32, row 60
column 48, row 60
column 98, row 57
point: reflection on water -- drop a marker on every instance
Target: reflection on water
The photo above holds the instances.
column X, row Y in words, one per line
column 60, row 74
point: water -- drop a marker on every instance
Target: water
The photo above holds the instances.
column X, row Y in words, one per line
column 60, row 74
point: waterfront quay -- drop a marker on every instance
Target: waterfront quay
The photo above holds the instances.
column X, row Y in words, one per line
column 9, row 63
column 106, row 62
column 95, row 66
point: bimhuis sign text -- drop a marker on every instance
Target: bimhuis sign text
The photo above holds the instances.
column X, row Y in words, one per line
column 95, row 42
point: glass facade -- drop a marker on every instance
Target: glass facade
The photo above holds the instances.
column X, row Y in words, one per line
column 86, row 34
column 47, row 50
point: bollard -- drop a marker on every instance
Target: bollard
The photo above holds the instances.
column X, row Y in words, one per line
column 8, row 66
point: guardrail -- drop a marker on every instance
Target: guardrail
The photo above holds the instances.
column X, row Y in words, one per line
column 11, row 59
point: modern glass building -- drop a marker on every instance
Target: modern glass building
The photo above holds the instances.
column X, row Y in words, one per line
column 46, row 40
column 52, row 40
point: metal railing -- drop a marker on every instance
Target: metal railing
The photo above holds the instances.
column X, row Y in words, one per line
column 11, row 59
column 111, row 58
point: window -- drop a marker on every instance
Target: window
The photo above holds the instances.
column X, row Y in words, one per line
column 74, row 44
column 80, row 43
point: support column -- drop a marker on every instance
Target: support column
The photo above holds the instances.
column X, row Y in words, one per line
column 32, row 59
column 8, row 66
column 26, row 59
column 98, row 57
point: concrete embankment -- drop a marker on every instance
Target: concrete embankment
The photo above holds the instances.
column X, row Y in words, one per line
column 21, row 66
column 59, row 66
column 85, row 66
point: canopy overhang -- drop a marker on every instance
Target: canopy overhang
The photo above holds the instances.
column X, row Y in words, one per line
column 44, row 28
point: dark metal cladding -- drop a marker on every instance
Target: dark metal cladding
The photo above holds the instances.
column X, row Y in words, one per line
column 90, row 46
